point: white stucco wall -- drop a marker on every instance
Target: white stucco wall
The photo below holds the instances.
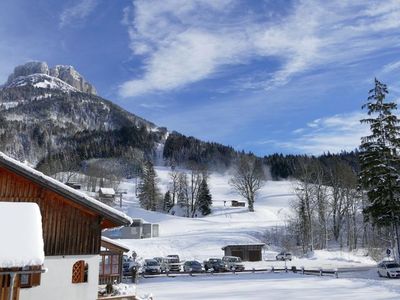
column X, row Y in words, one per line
column 57, row 282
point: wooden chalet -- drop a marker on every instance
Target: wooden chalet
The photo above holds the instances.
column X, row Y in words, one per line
column 72, row 224
column 111, row 261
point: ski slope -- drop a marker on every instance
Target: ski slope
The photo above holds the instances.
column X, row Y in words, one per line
column 201, row 238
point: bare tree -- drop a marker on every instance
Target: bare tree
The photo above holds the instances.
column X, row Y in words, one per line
column 247, row 179
column 174, row 185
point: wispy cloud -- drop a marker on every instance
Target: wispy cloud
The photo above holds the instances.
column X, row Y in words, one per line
column 182, row 42
column 333, row 134
column 77, row 12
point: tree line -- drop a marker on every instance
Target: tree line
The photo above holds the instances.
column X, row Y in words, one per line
column 352, row 204
column 188, row 194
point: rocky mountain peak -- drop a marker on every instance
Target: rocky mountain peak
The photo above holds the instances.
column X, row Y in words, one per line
column 63, row 72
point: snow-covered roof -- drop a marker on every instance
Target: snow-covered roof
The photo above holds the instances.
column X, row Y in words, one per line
column 107, row 191
column 21, row 235
column 117, row 217
column 115, row 243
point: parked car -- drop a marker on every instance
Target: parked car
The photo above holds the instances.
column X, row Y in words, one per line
column 233, row 263
column 389, row 269
column 284, row 256
column 192, row 266
column 216, row 264
column 151, row 266
column 163, row 263
column 173, row 263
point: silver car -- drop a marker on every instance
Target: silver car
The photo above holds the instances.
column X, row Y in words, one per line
column 389, row 269
column 284, row 256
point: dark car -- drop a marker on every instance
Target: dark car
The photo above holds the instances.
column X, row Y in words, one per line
column 216, row 264
column 192, row 266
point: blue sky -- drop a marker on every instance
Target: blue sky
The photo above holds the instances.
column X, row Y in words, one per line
column 264, row 76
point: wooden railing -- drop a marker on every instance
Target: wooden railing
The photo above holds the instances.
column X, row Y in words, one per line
column 318, row 272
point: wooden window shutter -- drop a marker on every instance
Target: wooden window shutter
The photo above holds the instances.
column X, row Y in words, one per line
column 35, row 277
column 78, row 272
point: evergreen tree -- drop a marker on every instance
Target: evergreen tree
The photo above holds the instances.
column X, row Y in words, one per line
column 167, row 203
column 379, row 161
column 204, row 200
column 149, row 195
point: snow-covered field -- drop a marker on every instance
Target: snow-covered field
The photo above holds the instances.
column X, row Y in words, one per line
column 266, row 286
column 201, row 238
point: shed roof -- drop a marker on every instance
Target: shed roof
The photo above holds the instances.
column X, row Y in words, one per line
column 243, row 245
column 106, row 242
column 21, row 235
column 116, row 217
column 107, row 191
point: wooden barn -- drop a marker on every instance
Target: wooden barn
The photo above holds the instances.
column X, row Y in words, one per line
column 111, row 260
column 247, row 252
column 235, row 203
column 72, row 223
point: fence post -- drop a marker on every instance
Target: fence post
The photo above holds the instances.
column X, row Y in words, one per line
column 272, row 269
column 302, row 270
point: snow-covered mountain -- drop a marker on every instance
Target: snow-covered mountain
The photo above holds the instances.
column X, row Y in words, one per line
column 52, row 116
column 38, row 74
column 55, row 111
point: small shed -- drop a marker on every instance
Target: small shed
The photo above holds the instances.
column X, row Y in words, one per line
column 235, row 203
column 139, row 229
column 247, row 252
column 111, row 260
column 107, row 195
column 74, row 185
column 22, row 255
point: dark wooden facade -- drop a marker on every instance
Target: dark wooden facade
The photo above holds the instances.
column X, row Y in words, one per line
column 67, row 228
column 5, row 288
column 23, row 278
column 250, row 252
column 71, row 224
column 71, row 221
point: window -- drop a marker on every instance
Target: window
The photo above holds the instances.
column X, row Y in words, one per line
column 80, row 271
column 30, row 280
column 109, row 264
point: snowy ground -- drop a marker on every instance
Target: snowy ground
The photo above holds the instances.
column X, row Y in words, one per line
column 201, row 238
column 268, row 286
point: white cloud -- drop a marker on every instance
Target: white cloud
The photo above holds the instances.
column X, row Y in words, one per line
column 333, row 134
column 77, row 12
column 182, row 42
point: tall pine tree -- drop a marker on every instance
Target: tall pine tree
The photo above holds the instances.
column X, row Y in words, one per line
column 204, row 199
column 149, row 194
column 167, row 203
column 379, row 161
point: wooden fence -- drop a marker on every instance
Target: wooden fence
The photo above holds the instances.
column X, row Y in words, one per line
column 317, row 272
